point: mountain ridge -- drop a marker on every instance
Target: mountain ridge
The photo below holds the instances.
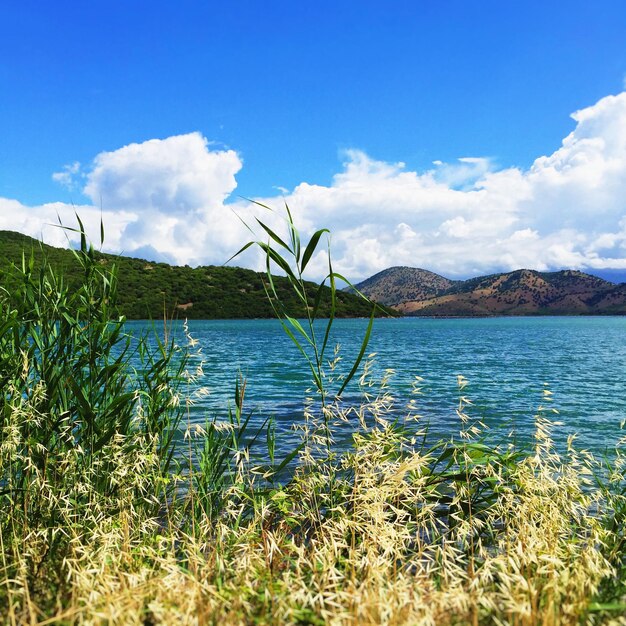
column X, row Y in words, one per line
column 520, row 292
column 148, row 290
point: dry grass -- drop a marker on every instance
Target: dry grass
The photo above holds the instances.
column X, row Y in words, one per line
column 109, row 516
column 384, row 534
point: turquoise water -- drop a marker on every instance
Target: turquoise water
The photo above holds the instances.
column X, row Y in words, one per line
column 506, row 361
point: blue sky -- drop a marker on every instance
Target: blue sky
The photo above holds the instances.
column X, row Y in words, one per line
column 311, row 100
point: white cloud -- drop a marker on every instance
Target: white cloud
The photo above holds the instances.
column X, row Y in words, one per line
column 42, row 222
column 162, row 197
column 567, row 210
column 464, row 173
column 68, row 176
column 177, row 175
column 169, row 198
column 175, row 188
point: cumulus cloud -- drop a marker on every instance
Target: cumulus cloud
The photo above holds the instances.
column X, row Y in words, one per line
column 464, row 173
column 176, row 190
column 175, row 176
column 172, row 199
column 163, row 198
column 567, row 210
column 43, row 221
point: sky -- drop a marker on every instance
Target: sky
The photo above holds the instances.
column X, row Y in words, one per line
column 461, row 137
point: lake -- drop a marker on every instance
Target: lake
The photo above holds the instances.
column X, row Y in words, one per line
column 508, row 362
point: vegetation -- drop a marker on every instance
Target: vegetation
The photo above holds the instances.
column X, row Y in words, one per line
column 413, row 291
column 400, row 284
column 150, row 290
column 115, row 510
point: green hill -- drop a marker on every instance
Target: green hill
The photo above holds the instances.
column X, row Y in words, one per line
column 148, row 290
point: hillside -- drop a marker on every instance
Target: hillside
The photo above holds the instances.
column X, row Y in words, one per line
column 147, row 289
column 396, row 285
column 522, row 292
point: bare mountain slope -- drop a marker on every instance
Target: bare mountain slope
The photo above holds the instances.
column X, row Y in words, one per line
column 524, row 292
column 414, row 291
column 397, row 285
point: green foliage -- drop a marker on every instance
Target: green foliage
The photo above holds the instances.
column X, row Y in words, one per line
column 74, row 414
column 110, row 514
column 217, row 458
column 149, row 290
column 291, row 259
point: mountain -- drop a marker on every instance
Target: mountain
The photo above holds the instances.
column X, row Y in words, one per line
column 522, row 292
column 612, row 275
column 396, row 285
column 146, row 290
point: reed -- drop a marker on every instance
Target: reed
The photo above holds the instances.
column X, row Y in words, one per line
column 113, row 510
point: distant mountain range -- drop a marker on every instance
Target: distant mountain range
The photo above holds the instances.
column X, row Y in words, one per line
column 414, row 291
column 149, row 290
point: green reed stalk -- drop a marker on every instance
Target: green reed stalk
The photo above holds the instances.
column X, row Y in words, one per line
column 81, row 430
column 291, row 257
column 389, row 532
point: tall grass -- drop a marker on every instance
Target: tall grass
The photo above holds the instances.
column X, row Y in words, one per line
column 115, row 510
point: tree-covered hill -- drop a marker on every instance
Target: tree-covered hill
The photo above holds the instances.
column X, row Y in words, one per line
column 149, row 290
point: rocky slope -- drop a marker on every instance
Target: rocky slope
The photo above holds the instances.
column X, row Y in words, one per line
column 397, row 285
column 522, row 292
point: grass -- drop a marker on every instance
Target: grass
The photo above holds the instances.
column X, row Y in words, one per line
column 113, row 510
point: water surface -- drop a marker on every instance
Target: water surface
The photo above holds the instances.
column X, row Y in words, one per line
column 507, row 361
